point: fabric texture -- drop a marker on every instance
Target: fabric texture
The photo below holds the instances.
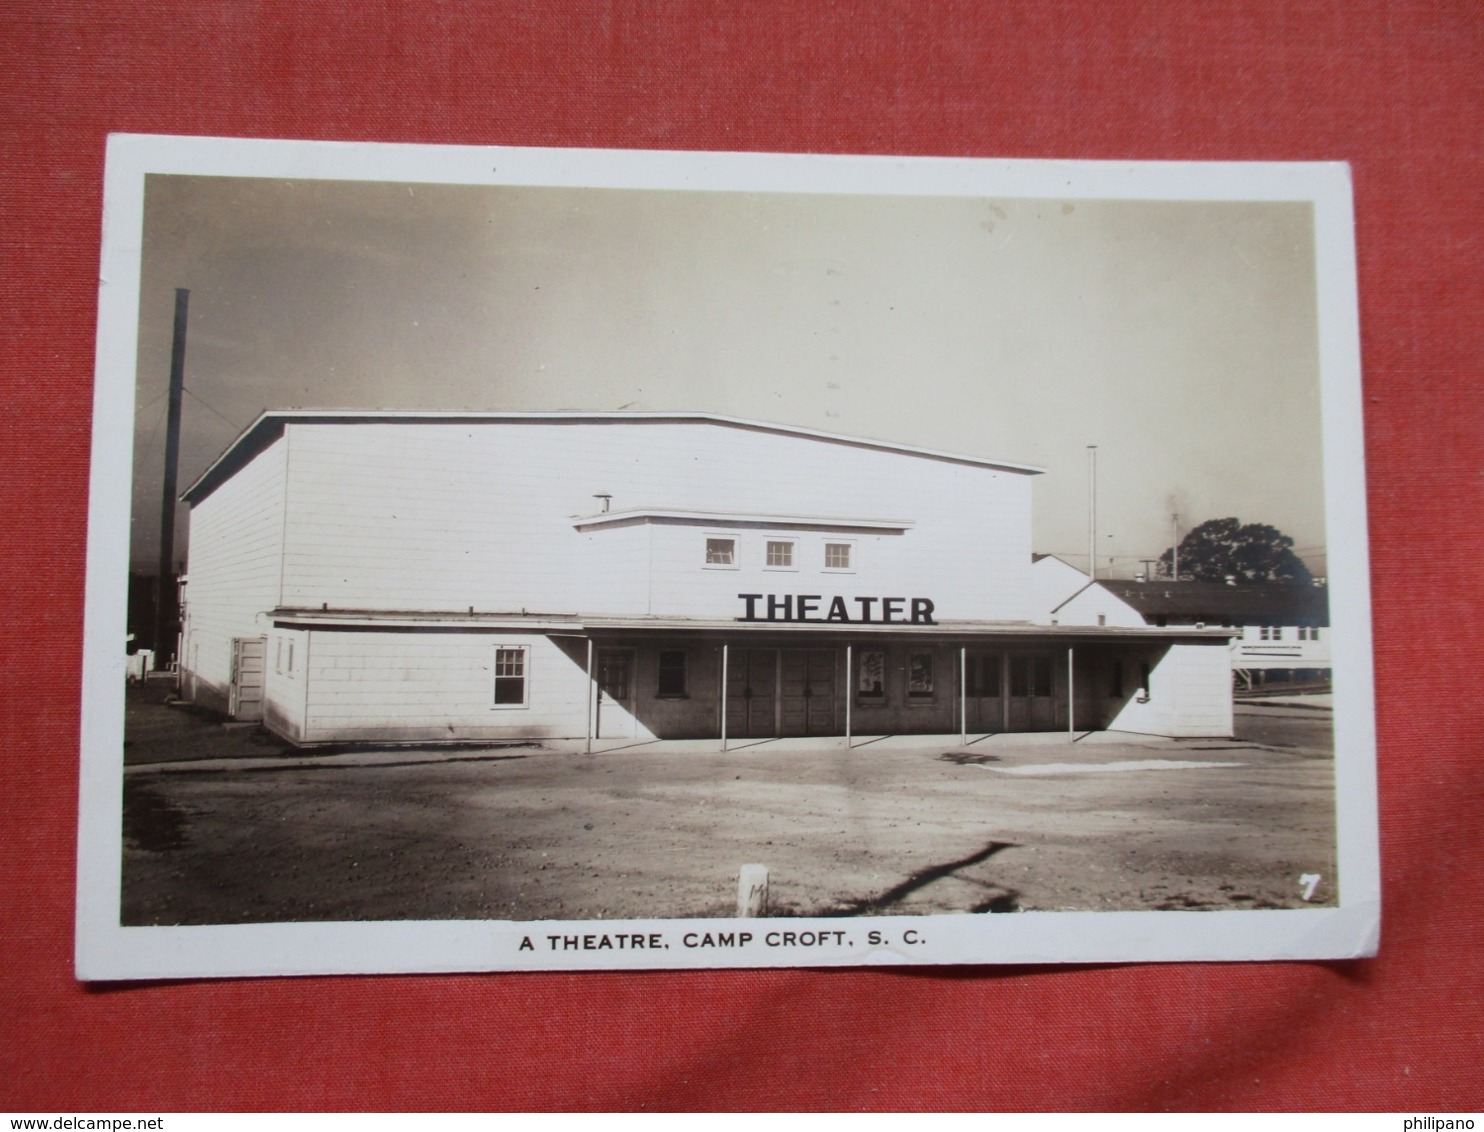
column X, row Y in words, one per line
column 1395, row 89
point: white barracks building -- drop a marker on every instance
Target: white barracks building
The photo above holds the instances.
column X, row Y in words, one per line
column 426, row 577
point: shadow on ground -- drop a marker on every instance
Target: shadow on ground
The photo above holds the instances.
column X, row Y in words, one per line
column 151, row 822
column 886, row 902
column 965, row 757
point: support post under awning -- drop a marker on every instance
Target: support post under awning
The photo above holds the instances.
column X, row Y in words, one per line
column 724, row 658
column 849, row 691
column 963, row 696
column 589, row 695
column 1071, row 701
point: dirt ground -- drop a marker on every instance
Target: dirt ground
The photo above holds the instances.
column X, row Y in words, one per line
column 225, row 825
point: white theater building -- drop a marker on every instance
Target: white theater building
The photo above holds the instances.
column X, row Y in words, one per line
column 424, row 577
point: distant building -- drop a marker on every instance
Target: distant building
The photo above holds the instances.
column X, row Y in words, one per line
column 1284, row 628
column 424, row 577
column 1067, row 596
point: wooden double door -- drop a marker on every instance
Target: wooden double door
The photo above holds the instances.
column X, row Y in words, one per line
column 1009, row 691
column 782, row 692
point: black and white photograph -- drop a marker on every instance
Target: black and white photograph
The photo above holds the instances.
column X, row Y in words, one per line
column 527, row 559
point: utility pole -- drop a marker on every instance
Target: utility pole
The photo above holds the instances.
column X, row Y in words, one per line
column 1175, row 547
column 164, row 595
column 1092, row 511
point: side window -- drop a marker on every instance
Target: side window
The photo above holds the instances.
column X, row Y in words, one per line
column 672, row 674
column 721, row 552
column 780, row 554
column 510, row 676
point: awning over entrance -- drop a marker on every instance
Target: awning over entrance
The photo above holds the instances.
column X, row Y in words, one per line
column 940, row 630
column 759, row 678
column 719, row 628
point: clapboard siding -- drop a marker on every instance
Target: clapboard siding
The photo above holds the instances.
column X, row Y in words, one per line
column 442, row 516
column 236, row 541
column 1201, row 689
column 402, row 687
column 1189, row 692
column 285, row 688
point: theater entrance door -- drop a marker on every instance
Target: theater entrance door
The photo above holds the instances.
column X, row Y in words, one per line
column 807, row 692
column 752, row 693
column 984, row 692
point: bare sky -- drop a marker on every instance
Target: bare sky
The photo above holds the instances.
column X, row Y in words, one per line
column 1180, row 338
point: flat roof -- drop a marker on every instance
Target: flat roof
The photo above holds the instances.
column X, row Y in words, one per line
column 576, row 623
column 270, row 425
column 735, row 519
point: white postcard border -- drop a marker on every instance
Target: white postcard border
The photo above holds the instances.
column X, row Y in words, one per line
column 107, row 951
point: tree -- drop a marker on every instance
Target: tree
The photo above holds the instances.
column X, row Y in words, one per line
column 1252, row 552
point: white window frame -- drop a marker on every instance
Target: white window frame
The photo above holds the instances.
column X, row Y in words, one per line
column 849, row 543
column 793, row 554
column 734, row 564
column 524, row 678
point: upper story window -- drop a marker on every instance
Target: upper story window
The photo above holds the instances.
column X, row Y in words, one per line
column 839, row 556
column 1271, row 633
column 1308, row 632
column 780, row 554
column 721, row 552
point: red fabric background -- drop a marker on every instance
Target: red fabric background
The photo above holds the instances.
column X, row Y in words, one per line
column 1396, row 89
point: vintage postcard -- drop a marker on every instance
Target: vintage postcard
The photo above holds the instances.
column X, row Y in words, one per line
column 508, row 559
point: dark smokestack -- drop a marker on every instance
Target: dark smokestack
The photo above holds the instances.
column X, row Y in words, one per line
column 165, row 597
